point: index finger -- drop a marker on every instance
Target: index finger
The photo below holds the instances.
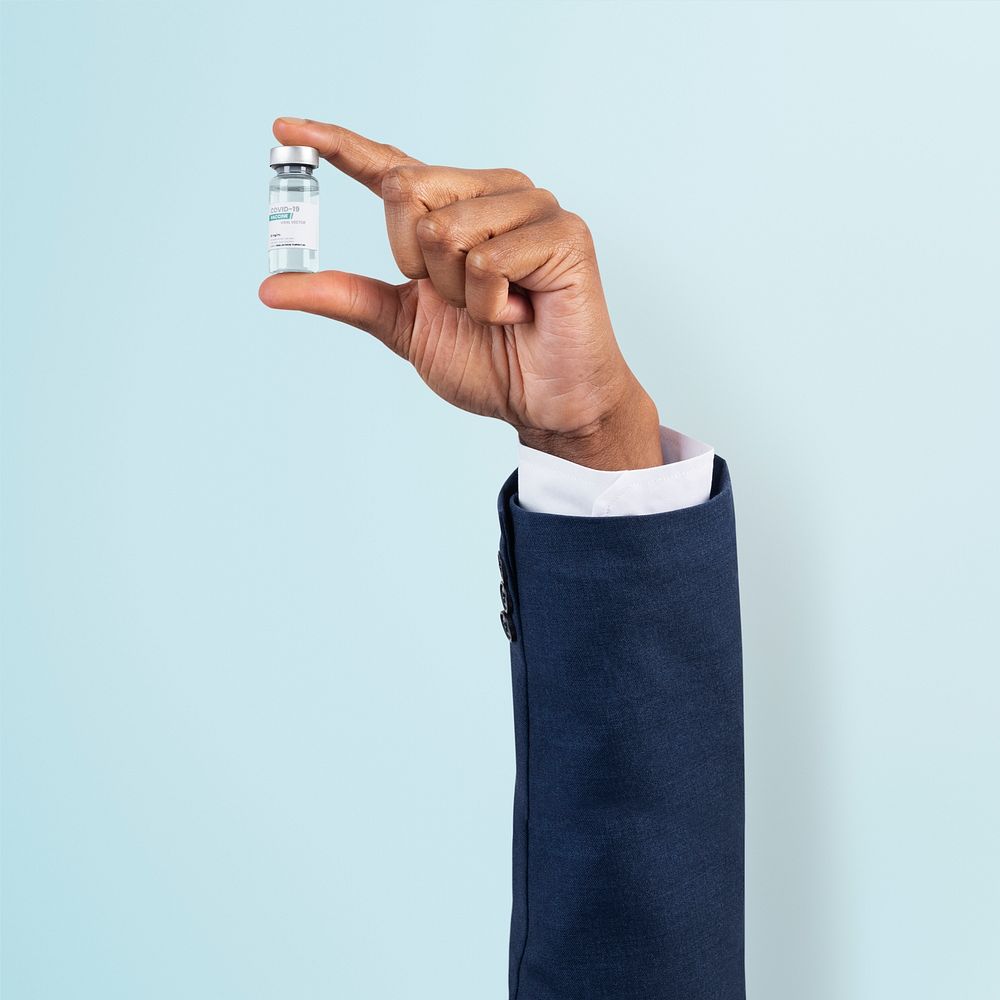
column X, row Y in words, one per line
column 363, row 159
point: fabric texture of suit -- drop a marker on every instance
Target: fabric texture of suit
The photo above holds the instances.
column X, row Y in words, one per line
column 628, row 716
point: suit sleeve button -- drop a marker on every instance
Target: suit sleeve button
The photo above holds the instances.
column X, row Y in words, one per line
column 508, row 628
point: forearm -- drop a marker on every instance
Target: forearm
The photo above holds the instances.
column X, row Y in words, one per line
column 628, row 838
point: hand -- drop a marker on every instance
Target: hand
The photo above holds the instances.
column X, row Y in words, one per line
column 504, row 314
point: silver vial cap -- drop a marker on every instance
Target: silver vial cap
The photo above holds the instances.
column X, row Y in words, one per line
column 287, row 155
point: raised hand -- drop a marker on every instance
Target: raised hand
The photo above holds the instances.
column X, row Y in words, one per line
column 504, row 314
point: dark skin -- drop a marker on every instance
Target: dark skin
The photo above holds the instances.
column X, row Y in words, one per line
column 504, row 313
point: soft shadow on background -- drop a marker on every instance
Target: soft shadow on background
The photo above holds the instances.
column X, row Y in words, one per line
column 256, row 708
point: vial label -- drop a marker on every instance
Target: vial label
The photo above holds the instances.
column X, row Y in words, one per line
column 293, row 224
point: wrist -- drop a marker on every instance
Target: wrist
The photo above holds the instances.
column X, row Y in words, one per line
column 627, row 436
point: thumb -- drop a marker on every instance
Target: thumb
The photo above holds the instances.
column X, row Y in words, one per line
column 368, row 304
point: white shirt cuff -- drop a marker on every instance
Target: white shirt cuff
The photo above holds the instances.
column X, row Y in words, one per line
column 550, row 485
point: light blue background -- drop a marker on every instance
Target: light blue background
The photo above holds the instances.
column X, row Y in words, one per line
column 256, row 709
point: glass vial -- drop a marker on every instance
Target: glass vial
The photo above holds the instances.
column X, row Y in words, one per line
column 293, row 210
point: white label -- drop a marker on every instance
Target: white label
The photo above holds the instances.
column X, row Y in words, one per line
column 293, row 224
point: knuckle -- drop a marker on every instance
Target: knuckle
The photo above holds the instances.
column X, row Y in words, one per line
column 576, row 225
column 398, row 182
column 546, row 197
column 438, row 229
column 480, row 261
column 516, row 178
column 577, row 242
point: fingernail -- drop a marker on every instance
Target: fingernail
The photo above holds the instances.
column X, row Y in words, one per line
column 293, row 121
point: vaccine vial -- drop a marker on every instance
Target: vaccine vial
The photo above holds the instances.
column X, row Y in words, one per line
column 293, row 210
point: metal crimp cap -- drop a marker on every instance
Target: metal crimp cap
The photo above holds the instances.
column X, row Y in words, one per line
column 287, row 155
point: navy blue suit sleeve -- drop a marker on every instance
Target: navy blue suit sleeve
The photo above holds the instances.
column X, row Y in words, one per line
column 628, row 709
